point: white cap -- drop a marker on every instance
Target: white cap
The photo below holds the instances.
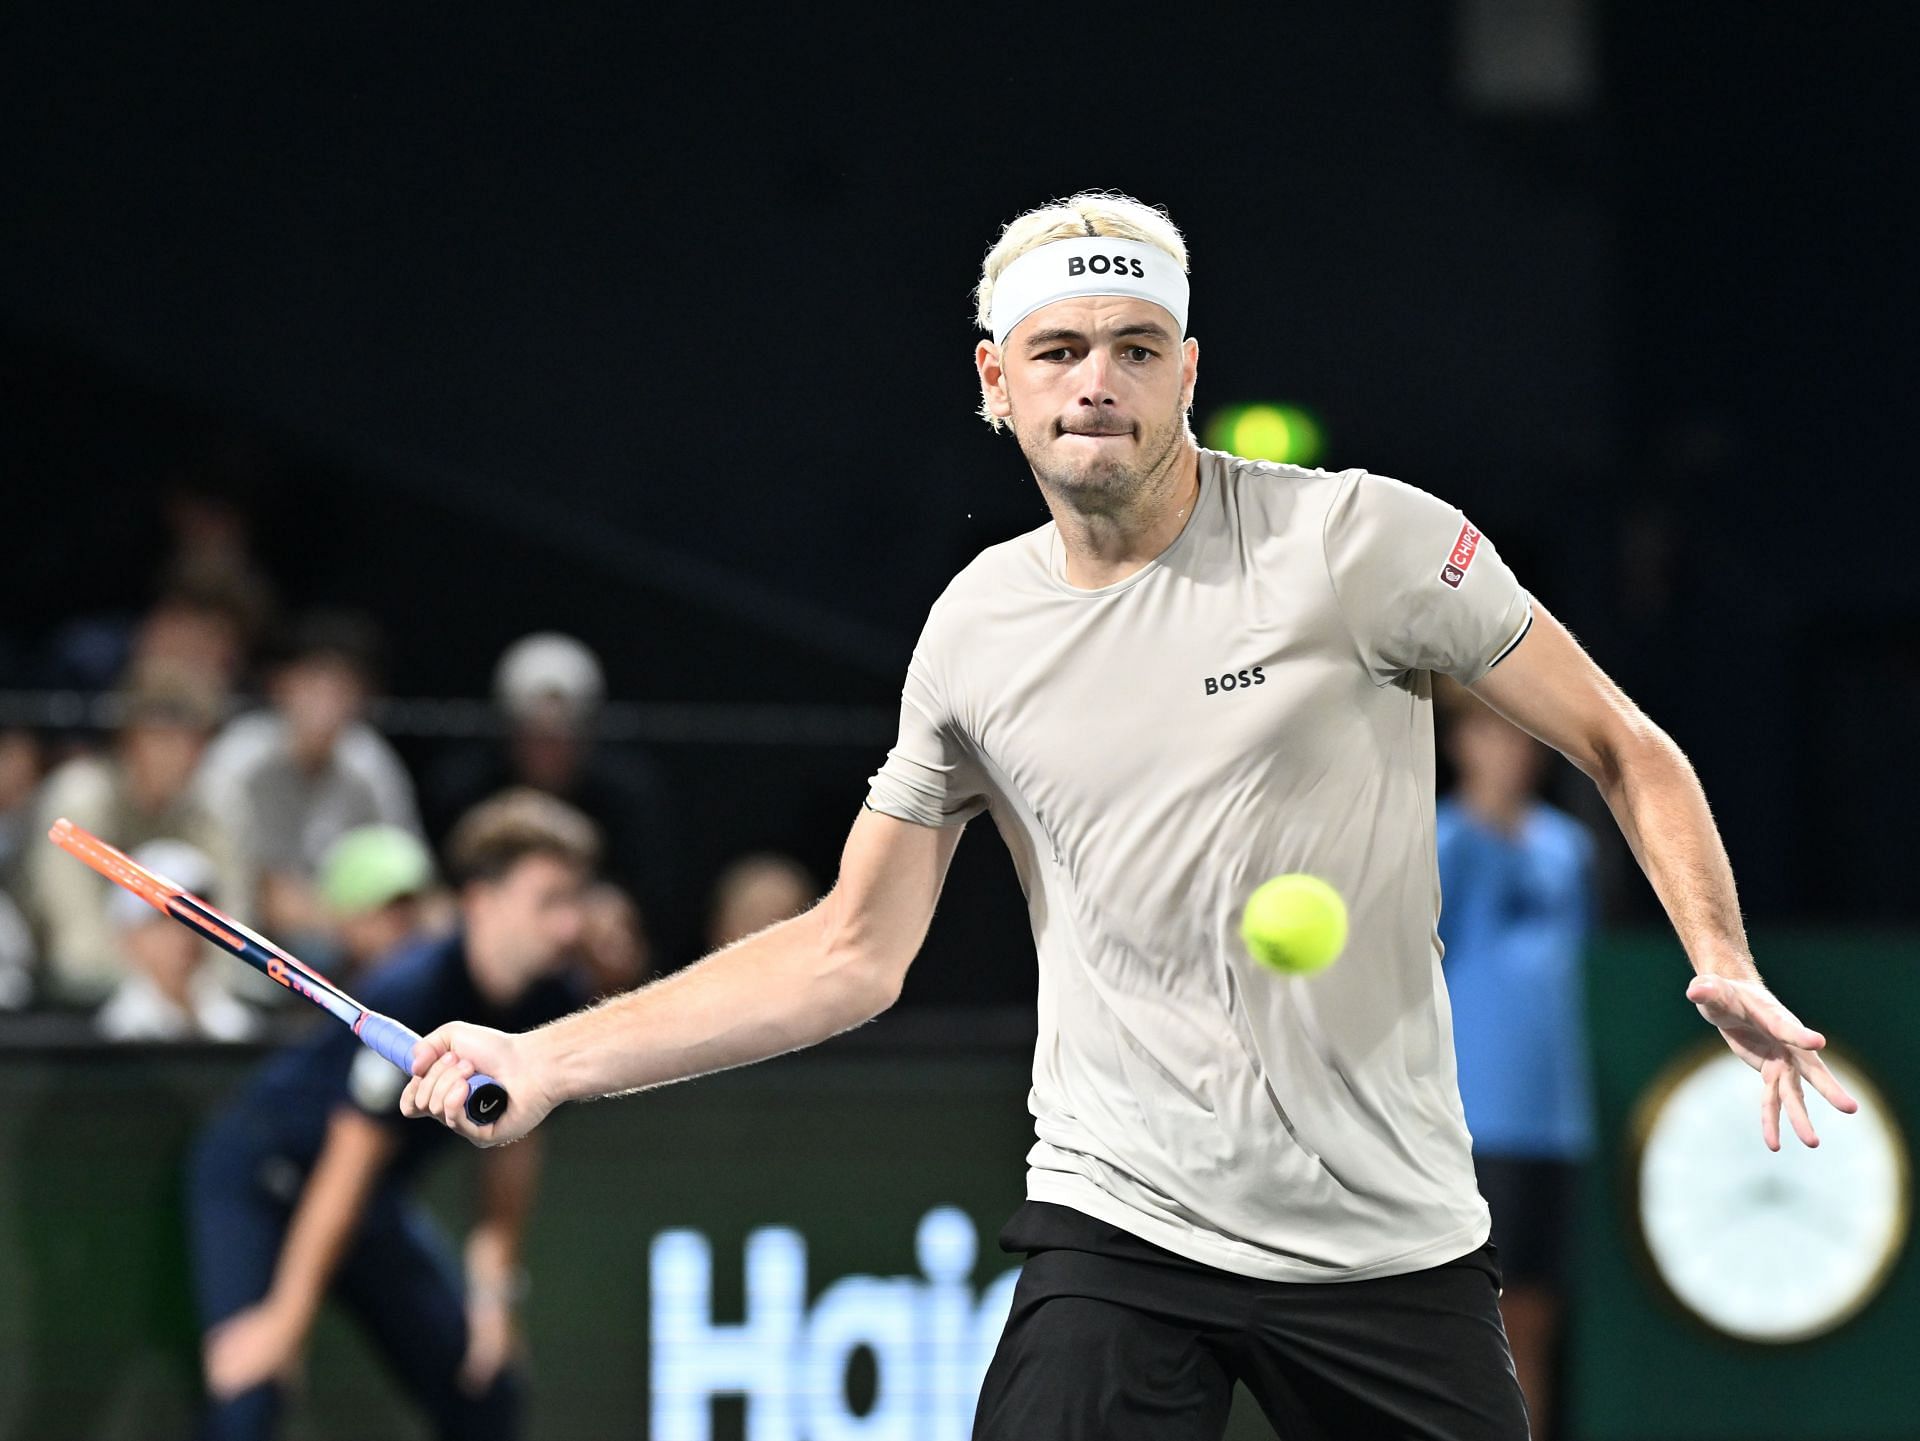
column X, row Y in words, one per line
column 547, row 666
column 188, row 867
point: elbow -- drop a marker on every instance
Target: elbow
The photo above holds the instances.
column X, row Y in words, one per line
column 883, row 989
column 872, row 984
column 1631, row 749
column 862, row 968
column 1603, row 763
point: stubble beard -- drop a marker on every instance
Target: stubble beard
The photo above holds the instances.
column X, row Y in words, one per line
column 1104, row 487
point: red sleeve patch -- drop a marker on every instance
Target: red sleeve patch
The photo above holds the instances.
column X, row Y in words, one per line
column 1455, row 570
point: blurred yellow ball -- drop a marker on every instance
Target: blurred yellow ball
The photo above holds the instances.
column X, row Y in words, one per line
column 1283, row 433
column 1264, row 432
column 1295, row 924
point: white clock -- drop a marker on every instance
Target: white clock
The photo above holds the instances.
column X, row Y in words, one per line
column 1762, row 1246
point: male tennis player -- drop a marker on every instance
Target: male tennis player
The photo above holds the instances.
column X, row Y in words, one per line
column 301, row 1188
column 1203, row 672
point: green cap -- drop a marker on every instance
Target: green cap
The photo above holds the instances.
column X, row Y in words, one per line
column 371, row 866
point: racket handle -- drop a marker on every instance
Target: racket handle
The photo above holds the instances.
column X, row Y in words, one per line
column 486, row 1097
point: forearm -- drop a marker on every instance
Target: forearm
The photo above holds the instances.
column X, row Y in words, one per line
column 509, row 1178
column 324, row 1220
column 790, row 986
column 1662, row 811
column 493, row 1264
column 494, row 1290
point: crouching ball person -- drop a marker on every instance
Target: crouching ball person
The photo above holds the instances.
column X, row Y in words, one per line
column 1238, row 1175
column 300, row 1189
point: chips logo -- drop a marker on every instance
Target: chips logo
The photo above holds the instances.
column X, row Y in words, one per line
column 1455, row 570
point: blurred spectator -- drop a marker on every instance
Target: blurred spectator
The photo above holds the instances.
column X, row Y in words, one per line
column 173, row 989
column 207, row 620
column 374, row 882
column 20, row 768
column 303, row 1188
column 16, row 956
column 549, row 687
column 20, row 772
column 295, row 778
column 210, row 619
column 614, row 953
column 140, row 791
column 757, row 891
column 208, row 507
column 1516, row 888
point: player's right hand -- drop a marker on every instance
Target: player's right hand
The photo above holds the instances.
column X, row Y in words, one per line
column 444, row 1060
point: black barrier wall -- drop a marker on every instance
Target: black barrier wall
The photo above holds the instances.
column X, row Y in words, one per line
column 813, row 1239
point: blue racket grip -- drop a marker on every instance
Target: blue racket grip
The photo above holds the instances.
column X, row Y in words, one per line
column 486, row 1097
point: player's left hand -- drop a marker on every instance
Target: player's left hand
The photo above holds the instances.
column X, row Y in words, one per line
column 490, row 1342
column 250, row 1348
column 1771, row 1039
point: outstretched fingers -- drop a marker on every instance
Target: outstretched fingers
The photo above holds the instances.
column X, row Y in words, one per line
column 1770, row 1103
column 1814, row 1069
column 1796, row 1100
column 1771, row 1039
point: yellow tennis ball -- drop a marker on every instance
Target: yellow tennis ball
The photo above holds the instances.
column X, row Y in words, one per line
column 1295, row 924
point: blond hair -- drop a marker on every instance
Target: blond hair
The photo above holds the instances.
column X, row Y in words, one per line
column 1091, row 212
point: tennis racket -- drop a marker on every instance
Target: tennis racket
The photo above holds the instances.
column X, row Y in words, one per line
column 486, row 1097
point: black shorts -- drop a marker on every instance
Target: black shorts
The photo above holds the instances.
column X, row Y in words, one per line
column 1533, row 1216
column 1111, row 1339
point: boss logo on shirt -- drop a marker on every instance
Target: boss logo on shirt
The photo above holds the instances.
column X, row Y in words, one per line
column 1237, row 680
column 1105, row 265
column 1455, row 570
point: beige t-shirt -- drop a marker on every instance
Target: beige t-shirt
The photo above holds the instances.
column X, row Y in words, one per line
column 1255, row 701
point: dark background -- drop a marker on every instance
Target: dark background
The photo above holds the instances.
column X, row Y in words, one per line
column 653, row 324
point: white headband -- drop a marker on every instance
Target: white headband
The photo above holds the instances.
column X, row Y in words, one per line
column 1087, row 265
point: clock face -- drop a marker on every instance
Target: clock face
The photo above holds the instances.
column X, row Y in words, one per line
column 1762, row 1246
